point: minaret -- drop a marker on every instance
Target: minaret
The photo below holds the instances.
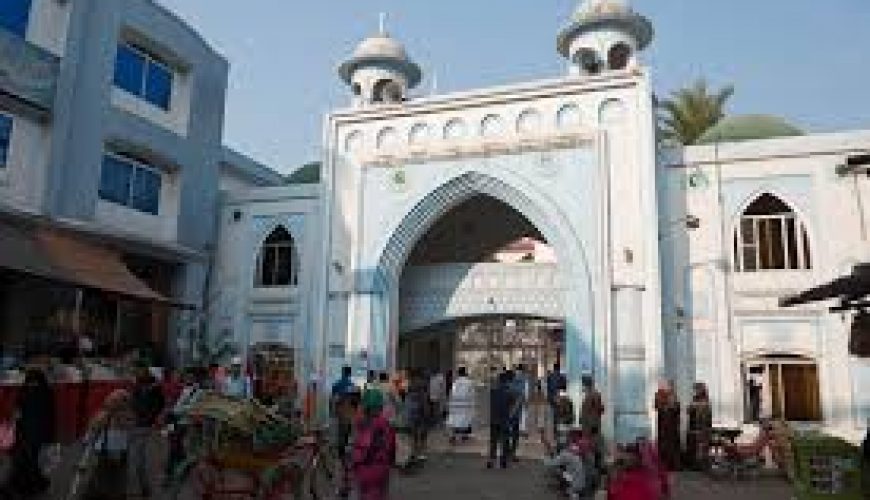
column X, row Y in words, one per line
column 604, row 35
column 380, row 71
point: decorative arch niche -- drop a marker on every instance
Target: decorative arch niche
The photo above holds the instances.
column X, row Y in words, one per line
column 770, row 236
column 277, row 261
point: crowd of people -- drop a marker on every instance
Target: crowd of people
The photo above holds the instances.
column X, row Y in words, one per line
column 381, row 425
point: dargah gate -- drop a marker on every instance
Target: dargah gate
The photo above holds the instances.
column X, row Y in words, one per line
column 486, row 228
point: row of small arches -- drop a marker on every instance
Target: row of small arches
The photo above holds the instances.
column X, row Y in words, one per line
column 490, row 126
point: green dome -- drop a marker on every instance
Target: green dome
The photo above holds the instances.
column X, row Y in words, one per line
column 747, row 128
column 306, row 174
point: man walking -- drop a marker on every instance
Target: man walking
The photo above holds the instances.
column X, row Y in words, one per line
column 501, row 404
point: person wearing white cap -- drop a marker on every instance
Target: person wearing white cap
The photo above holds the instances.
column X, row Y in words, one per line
column 237, row 384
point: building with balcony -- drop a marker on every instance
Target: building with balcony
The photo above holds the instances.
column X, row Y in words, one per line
column 111, row 166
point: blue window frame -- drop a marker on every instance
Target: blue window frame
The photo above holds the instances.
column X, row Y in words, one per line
column 5, row 138
column 143, row 75
column 14, row 15
column 131, row 183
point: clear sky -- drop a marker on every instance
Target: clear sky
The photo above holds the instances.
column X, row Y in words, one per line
column 807, row 60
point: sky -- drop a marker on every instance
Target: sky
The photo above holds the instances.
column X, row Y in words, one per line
column 806, row 60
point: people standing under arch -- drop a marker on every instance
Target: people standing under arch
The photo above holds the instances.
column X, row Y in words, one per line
column 417, row 406
column 437, row 397
column 667, row 407
column 502, row 402
column 460, row 414
column 556, row 381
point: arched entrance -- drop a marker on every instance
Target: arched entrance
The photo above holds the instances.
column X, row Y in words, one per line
column 481, row 289
column 540, row 217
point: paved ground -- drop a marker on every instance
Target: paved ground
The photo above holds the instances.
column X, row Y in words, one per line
column 459, row 473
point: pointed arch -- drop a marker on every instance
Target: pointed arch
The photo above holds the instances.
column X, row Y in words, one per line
column 277, row 260
column 770, row 236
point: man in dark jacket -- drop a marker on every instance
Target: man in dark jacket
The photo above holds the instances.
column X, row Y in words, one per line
column 501, row 406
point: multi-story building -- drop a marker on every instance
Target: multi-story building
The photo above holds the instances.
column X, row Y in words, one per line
column 111, row 163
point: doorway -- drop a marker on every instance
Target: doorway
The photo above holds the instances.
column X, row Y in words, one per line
column 789, row 388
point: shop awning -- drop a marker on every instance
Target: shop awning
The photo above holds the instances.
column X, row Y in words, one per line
column 850, row 290
column 67, row 259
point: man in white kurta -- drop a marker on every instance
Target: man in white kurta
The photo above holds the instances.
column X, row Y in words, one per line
column 461, row 405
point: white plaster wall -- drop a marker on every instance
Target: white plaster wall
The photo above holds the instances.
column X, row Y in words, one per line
column 22, row 182
column 276, row 314
column 801, row 171
column 49, row 23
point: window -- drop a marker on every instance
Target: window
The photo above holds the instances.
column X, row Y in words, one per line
column 277, row 262
column 5, row 138
column 618, row 56
column 143, row 75
column 770, row 236
column 131, row 183
column 14, row 15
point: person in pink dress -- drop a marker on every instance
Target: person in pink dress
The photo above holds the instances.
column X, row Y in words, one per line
column 374, row 449
column 634, row 480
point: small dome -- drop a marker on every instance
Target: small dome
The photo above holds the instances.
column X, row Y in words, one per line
column 747, row 128
column 596, row 14
column 381, row 48
column 603, row 8
column 306, row 174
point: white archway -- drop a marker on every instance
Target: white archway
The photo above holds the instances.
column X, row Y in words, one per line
column 574, row 265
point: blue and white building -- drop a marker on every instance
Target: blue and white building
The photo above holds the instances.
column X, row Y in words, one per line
column 111, row 166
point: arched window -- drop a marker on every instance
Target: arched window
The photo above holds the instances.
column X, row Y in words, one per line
column 277, row 263
column 618, row 56
column 770, row 236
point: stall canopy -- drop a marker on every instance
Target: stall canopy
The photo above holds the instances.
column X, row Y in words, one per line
column 67, row 259
column 851, row 292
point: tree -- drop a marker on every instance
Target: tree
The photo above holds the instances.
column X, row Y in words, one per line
column 691, row 111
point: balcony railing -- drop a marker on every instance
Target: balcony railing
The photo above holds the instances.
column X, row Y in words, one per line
column 28, row 75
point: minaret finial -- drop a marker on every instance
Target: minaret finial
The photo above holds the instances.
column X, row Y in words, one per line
column 382, row 25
